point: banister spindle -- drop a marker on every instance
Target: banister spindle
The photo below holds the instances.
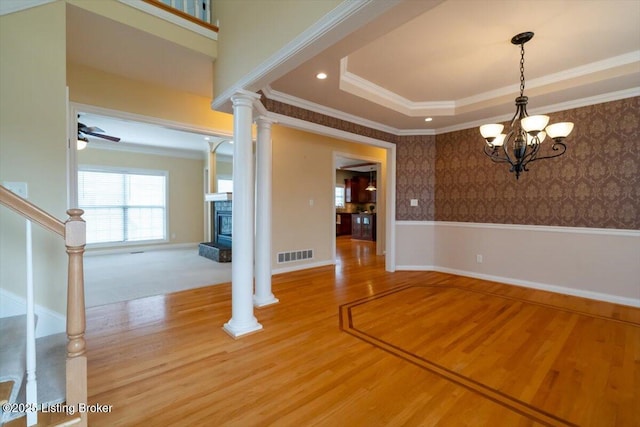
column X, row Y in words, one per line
column 206, row 5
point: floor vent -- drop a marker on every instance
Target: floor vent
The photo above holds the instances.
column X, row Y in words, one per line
column 295, row 255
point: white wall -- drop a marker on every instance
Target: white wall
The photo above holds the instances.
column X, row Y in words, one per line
column 600, row 264
column 415, row 245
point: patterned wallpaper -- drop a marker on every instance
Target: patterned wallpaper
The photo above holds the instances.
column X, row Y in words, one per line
column 322, row 119
column 415, row 177
column 596, row 183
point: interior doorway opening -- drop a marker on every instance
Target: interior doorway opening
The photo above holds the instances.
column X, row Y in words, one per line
column 129, row 145
column 359, row 201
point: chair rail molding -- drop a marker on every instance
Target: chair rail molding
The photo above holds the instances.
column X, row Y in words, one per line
column 595, row 263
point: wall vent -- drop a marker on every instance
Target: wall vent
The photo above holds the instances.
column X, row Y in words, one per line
column 295, row 255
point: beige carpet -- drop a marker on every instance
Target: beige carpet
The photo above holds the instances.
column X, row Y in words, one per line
column 123, row 277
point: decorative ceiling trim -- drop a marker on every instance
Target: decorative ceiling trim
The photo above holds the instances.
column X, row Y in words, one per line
column 10, row 6
column 563, row 106
column 319, row 129
column 170, row 17
column 313, row 117
column 337, row 114
column 321, row 109
column 304, row 46
column 570, row 74
column 356, row 85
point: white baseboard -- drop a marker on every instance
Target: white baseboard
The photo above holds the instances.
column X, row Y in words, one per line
column 302, row 267
column 599, row 264
column 633, row 302
column 415, row 268
column 49, row 322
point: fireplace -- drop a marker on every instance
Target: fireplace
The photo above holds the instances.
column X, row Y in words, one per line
column 219, row 248
column 222, row 224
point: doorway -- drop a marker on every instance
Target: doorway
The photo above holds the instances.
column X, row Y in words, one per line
column 359, row 202
column 134, row 149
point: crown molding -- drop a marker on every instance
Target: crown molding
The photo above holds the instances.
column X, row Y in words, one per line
column 356, row 85
column 327, row 111
column 573, row 73
column 321, row 109
column 304, row 125
column 11, row 6
column 552, row 108
column 170, row 17
column 363, row 88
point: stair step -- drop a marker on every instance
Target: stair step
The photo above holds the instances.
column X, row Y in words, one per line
column 47, row 419
column 5, row 391
column 50, row 372
column 12, row 355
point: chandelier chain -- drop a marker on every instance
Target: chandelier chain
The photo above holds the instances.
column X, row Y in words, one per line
column 522, row 69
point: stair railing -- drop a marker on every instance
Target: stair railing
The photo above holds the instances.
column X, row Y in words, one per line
column 196, row 11
column 73, row 231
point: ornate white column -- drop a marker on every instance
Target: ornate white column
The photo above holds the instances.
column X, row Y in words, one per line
column 263, row 295
column 242, row 319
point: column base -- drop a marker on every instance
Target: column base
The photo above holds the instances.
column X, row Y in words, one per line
column 263, row 302
column 239, row 331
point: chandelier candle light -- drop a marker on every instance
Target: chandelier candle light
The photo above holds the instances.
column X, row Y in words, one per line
column 521, row 144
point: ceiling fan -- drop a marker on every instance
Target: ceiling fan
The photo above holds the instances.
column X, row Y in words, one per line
column 94, row 131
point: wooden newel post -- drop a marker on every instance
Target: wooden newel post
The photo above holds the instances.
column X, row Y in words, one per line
column 75, row 240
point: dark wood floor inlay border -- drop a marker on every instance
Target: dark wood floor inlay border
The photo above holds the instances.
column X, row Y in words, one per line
column 534, row 413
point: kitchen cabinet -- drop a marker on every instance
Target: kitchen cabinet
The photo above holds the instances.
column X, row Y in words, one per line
column 343, row 224
column 363, row 226
column 355, row 190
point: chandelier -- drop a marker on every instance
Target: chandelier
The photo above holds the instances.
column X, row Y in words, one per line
column 521, row 145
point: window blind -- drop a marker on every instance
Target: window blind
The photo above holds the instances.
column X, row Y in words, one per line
column 123, row 206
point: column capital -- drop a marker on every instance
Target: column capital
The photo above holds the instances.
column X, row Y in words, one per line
column 244, row 98
column 265, row 121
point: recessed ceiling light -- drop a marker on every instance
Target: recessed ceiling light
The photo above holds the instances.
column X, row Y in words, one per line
column 321, row 76
column 206, row 138
column 428, row 119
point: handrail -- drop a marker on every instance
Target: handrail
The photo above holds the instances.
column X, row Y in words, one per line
column 30, row 211
column 73, row 231
column 182, row 14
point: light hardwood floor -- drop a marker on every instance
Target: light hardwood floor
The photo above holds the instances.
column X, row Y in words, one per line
column 353, row 345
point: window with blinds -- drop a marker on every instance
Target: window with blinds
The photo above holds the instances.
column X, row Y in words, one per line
column 123, row 206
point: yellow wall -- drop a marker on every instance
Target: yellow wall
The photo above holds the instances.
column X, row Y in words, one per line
column 33, row 120
column 303, row 170
column 97, row 88
column 135, row 18
column 253, row 30
column 185, row 189
column 33, row 145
